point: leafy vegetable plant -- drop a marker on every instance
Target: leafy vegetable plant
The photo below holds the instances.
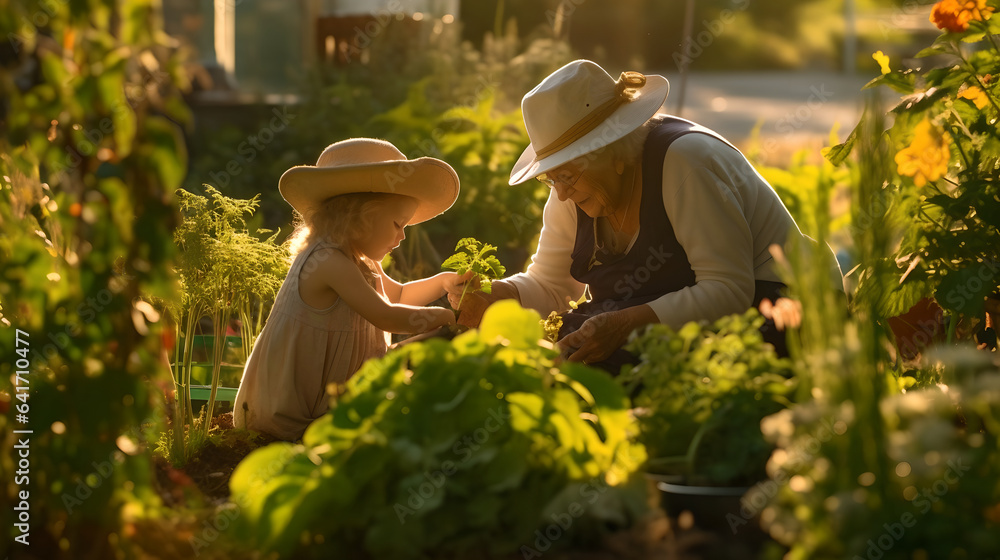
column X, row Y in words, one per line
column 451, row 449
column 471, row 254
column 705, row 391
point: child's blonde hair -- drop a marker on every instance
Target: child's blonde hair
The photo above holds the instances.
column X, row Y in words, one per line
column 343, row 220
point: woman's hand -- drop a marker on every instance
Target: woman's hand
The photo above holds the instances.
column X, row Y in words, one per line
column 473, row 306
column 602, row 334
column 474, row 303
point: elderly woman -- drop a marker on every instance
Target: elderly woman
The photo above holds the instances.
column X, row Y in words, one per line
column 656, row 218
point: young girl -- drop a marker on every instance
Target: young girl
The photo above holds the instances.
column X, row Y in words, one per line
column 337, row 306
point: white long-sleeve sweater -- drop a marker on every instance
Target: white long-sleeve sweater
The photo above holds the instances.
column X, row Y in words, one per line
column 723, row 213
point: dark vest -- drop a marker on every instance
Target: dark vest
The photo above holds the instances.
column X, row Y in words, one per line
column 657, row 263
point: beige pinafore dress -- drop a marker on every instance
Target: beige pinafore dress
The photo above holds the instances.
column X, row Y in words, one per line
column 300, row 351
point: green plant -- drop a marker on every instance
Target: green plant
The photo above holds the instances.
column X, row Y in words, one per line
column 704, row 392
column 939, row 494
column 945, row 184
column 90, row 153
column 866, row 467
column 223, row 269
column 800, row 183
column 453, row 449
column 476, row 256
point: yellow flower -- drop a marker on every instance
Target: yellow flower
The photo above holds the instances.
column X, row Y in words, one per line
column 926, row 158
column 955, row 15
column 976, row 95
column 883, row 61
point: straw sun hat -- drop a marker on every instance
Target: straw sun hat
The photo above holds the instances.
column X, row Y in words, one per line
column 580, row 108
column 368, row 165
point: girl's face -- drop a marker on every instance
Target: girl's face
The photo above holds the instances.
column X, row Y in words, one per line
column 385, row 228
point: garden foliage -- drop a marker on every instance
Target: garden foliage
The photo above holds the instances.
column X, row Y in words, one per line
column 450, row 449
column 934, row 492
column 704, row 391
column 225, row 272
column 878, row 464
column 90, row 152
column 430, row 95
column 944, row 185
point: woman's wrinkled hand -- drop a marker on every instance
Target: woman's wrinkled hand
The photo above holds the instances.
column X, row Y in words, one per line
column 473, row 307
column 598, row 337
column 475, row 302
column 464, row 296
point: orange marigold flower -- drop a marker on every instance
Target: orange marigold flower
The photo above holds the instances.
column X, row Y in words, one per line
column 955, row 15
column 976, row 95
column 926, row 158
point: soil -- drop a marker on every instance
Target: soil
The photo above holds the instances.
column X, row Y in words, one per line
column 211, row 467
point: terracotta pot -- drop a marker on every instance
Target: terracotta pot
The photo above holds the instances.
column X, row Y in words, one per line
column 915, row 330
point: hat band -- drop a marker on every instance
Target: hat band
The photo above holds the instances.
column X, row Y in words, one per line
column 626, row 90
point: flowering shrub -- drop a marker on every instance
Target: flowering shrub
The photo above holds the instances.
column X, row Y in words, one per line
column 944, row 186
column 878, row 464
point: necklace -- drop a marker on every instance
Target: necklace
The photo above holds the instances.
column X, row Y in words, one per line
column 629, row 205
column 613, row 242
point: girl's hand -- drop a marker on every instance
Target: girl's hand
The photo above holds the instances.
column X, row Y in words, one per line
column 455, row 284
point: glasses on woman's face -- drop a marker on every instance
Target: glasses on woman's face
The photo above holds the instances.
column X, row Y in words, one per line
column 565, row 178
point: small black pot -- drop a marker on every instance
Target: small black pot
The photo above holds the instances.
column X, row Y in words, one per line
column 711, row 506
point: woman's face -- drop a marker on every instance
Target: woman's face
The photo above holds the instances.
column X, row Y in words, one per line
column 385, row 230
column 589, row 184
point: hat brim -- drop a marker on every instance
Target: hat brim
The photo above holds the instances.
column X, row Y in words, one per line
column 432, row 182
column 627, row 118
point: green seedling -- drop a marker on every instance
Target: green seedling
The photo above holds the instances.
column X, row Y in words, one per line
column 471, row 254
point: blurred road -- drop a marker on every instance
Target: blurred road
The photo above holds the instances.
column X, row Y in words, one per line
column 794, row 109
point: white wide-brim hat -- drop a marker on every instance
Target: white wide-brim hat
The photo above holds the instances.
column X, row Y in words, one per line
column 363, row 165
column 580, row 108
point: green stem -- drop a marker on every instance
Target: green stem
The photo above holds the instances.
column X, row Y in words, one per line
column 937, row 223
column 989, row 35
column 958, row 143
column 498, row 20
column 461, row 299
column 975, row 75
column 952, row 325
column 187, row 408
column 220, row 321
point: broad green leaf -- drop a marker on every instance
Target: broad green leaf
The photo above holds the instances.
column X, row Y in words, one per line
column 902, row 82
column 964, row 291
column 839, row 153
column 510, row 324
